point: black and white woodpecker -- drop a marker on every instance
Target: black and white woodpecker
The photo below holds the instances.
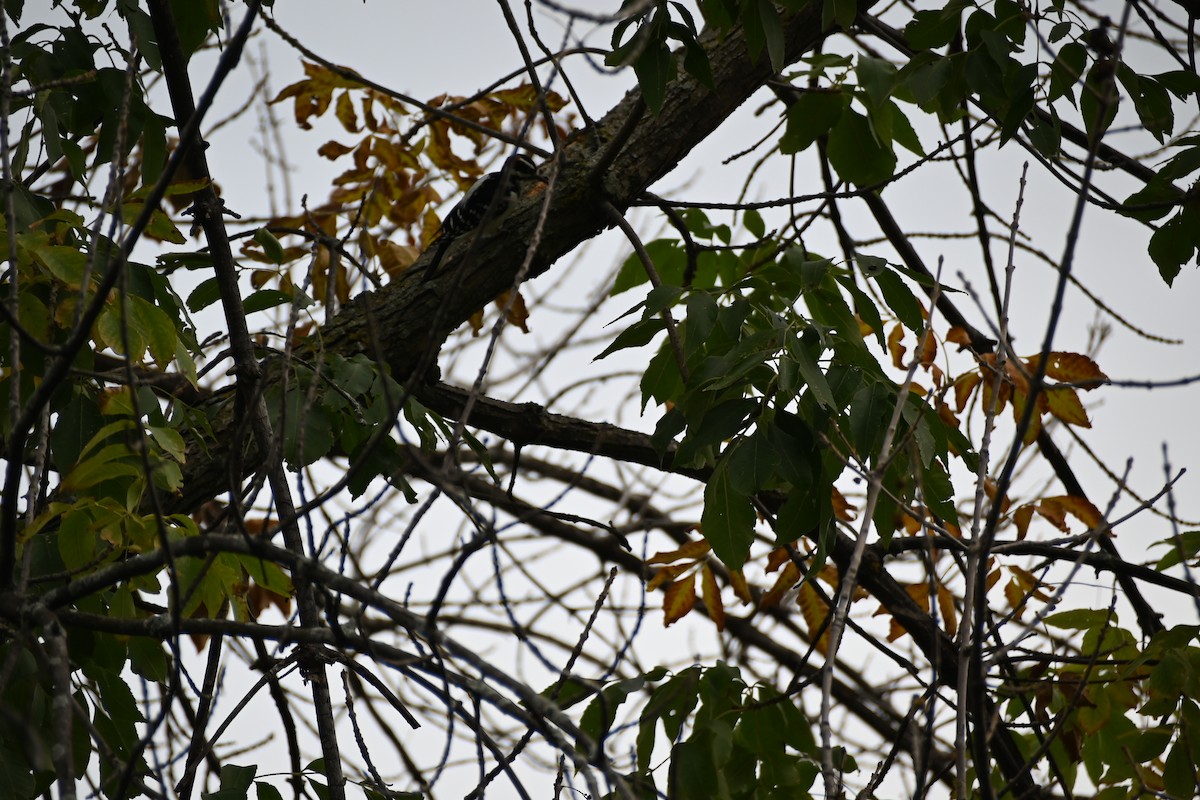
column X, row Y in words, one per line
column 487, row 199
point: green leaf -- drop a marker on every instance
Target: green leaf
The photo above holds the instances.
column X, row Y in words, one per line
column 76, row 543
column 804, row 352
column 752, row 462
column 264, row 299
column 877, row 77
column 272, row 249
column 155, row 327
column 654, row 69
column 901, row 300
column 1171, row 246
column 1078, row 619
column 812, row 116
column 661, row 380
column 728, row 518
column 855, row 152
column 204, row 295
column 931, row 29
column 636, row 335
column 772, row 30
column 939, row 491
column 754, row 223
column 1188, row 542
column 266, row 791
column 669, row 260
column 1066, row 70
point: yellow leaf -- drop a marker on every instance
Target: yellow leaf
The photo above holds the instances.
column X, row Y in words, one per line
column 815, row 612
column 894, row 347
column 1064, row 403
column 344, row 110
column 1015, row 597
column 692, row 550
column 668, row 574
column 1073, row 368
column 518, row 312
column 711, row 593
column 737, row 580
column 679, row 599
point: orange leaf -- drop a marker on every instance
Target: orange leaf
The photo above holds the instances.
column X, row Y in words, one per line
column 697, row 548
column 815, row 612
column 842, row 508
column 958, row 335
column 895, row 348
column 1054, row 512
column 679, row 599
column 737, row 581
column 928, row 351
column 786, row 580
column 711, row 593
column 1064, row 403
column 919, row 592
column 947, row 610
column 1083, row 510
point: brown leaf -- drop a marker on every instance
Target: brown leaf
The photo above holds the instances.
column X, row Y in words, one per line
column 333, row 150
column 776, row 559
column 1021, row 518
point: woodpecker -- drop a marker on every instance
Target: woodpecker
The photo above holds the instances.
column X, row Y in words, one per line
column 487, row 198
